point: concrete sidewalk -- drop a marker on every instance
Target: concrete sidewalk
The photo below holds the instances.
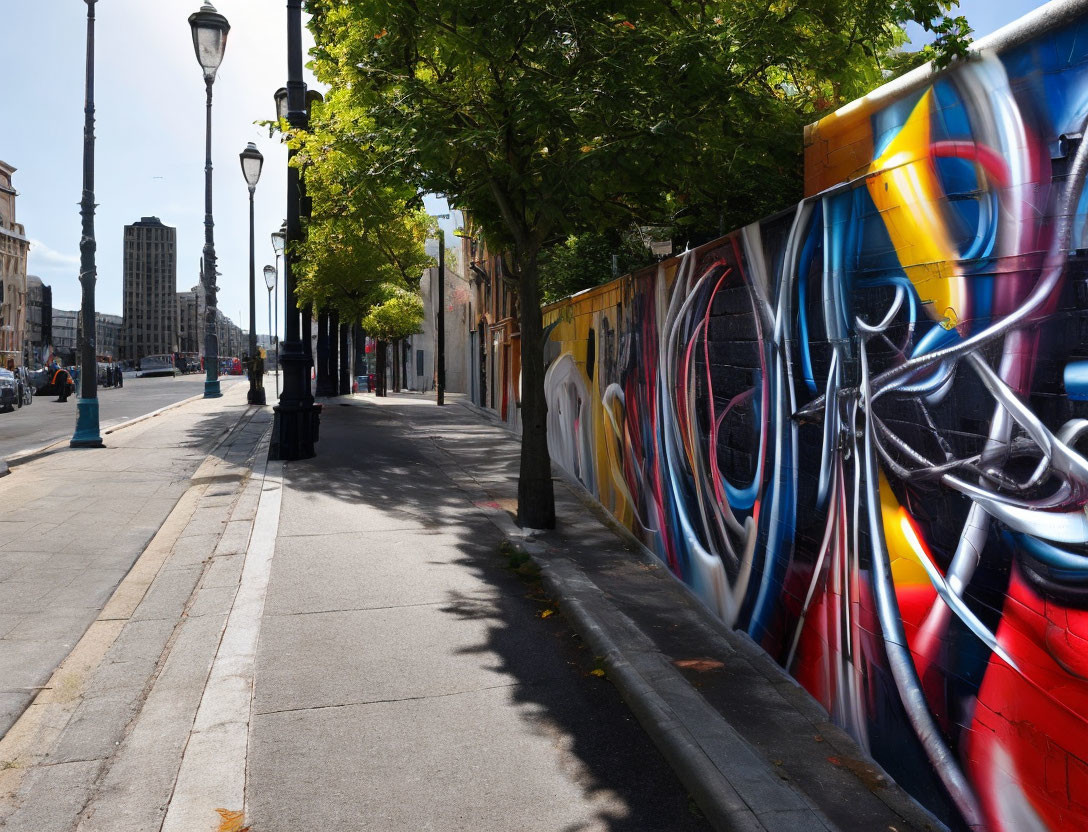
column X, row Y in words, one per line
column 403, row 683
column 99, row 745
column 75, row 522
column 362, row 642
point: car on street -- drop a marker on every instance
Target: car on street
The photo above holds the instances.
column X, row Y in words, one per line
column 9, row 396
column 42, row 380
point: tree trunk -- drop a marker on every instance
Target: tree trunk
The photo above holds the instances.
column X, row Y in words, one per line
column 396, row 364
column 379, row 369
column 536, row 497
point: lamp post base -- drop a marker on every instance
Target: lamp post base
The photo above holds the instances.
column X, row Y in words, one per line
column 211, row 389
column 87, row 434
column 294, row 430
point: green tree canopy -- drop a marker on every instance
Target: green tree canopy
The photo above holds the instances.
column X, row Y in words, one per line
column 398, row 314
column 546, row 118
column 368, row 231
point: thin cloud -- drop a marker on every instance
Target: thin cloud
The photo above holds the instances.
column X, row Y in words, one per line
column 42, row 256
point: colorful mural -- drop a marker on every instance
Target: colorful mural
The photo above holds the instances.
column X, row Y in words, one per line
column 858, row 430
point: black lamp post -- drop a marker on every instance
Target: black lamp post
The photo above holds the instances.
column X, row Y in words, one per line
column 210, row 42
column 279, row 240
column 252, row 162
column 294, row 426
column 270, row 282
column 87, row 433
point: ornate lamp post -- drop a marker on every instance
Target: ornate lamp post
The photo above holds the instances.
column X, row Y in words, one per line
column 279, row 241
column 294, row 427
column 270, row 279
column 210, row 42
column 87, row 433
column 252, row 162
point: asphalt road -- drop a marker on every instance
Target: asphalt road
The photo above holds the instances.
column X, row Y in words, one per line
column 47, row 421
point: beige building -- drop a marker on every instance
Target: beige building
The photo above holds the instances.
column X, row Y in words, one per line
column 150, row 290
column 191, row 326
column 13, row 251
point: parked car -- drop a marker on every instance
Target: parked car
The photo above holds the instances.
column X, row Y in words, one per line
column 24, row 388
column 9, row 396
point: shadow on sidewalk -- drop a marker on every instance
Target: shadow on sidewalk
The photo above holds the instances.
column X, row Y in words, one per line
column 383, row 456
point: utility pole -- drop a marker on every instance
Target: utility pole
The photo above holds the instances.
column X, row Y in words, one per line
column 87, row 427
column 441, row 347
column 294, row 421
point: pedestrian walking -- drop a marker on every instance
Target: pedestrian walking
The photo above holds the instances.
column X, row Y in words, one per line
column 119, row 377
column 109, row 375
column 61, row 380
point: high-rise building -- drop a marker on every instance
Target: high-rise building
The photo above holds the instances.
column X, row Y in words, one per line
column 150, row 290
column 13, row 250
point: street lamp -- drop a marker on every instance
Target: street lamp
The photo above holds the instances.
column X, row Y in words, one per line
column 279, row 243
column 210, row 41
column 252, row 162
column 296, row 420
column 87, row 434
column 271, row 278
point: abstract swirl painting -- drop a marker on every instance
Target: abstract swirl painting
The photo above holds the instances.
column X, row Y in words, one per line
column 859, row 430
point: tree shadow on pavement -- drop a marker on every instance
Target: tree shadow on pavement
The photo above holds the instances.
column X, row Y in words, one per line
column 384, row 455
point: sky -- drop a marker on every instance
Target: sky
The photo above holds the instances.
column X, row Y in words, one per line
column 149, row 95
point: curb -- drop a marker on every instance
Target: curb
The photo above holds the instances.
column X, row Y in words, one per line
column 45, row 450
column 734, row 786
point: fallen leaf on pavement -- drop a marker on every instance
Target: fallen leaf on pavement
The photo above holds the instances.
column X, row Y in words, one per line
column 232, row 821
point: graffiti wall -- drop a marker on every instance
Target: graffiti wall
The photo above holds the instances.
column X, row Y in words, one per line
column 858, row 430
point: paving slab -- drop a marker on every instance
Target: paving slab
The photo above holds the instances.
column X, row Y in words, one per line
column 472, row 762
column 56, row 577
column 128, row 694
column 408, row 678
column 352, row 572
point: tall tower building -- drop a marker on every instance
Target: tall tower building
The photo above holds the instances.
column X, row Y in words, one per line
column 151, row 302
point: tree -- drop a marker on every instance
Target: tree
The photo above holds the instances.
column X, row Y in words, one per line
column 585, row 260
column 545, row 118
column 398, row 315
column 367, row 232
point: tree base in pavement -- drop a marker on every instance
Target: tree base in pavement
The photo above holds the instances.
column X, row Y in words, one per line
column 87, row 434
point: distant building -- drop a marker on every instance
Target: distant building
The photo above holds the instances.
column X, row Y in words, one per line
column 13, row 250
column 150, row 289
column 230, row 336
column 191, row 326
column 191, row 320
column 65, row 335
column 420, row 349
column 108, row 332
column 39, row 320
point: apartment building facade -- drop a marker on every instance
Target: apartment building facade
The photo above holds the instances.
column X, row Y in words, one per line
column 150, row 325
